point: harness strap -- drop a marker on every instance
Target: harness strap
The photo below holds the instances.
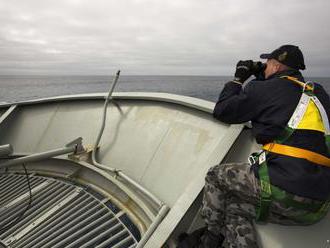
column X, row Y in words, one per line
column 303, row 104
column 262, row 211
column 293, row 122
column 302, row 84
column 323, row 114
column 297, row 153
column 287, row 132
column 327, row 141
column 316, row 209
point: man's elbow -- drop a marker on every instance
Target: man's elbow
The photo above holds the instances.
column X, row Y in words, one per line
column 223, row 117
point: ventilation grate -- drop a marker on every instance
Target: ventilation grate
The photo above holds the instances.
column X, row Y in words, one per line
column 60, row 215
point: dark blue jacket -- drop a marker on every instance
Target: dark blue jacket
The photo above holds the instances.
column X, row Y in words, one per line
column 269, row 104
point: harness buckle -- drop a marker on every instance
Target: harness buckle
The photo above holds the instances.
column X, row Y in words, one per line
column 255, row 157
column 308, row 86
column 262, row 157
column 252, row 160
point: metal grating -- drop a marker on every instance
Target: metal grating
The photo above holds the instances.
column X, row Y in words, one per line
column 60, row 215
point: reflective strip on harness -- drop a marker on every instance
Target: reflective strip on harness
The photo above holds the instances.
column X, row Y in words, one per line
column 298, row 114
column 297, row 153
column 323, row 113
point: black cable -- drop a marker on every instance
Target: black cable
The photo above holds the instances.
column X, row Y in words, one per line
column 20, row 215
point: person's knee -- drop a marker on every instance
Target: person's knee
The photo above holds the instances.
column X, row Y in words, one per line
column 214, row 174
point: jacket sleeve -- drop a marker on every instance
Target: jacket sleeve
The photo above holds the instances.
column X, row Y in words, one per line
column 236, row 104
column 323, row 96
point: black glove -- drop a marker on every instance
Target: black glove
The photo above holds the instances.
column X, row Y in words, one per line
column 259, row 70
column 243, row 70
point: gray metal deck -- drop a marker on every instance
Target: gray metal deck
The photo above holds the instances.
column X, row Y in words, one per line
column 171, row 142
column 166, row 143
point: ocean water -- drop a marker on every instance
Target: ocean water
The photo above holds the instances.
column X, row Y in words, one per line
column 17, row 88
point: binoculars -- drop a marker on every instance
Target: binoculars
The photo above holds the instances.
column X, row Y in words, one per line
column 258, row 67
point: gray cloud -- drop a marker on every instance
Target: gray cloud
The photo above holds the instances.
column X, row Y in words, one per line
column 157, row 36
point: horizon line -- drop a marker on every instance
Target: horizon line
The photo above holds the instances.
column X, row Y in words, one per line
column 131, row 75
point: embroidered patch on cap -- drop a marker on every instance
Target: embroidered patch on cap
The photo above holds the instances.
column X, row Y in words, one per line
column 282, row 56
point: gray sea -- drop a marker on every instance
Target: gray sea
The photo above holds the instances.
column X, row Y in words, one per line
column 17, row 88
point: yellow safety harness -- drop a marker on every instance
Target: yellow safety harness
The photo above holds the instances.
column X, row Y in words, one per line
column 297, row 153
column 309, row 114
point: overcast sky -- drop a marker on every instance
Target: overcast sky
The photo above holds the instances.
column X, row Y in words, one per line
column 180, row 37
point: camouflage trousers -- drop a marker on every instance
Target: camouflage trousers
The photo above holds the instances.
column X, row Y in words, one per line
column 231, row 195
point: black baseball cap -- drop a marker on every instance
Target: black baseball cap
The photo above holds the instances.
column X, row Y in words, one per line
column 289, row 55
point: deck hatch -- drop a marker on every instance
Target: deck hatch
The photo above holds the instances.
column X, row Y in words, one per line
column 61, row 215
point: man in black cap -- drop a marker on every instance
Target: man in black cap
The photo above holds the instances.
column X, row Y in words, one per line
column 289, row 181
